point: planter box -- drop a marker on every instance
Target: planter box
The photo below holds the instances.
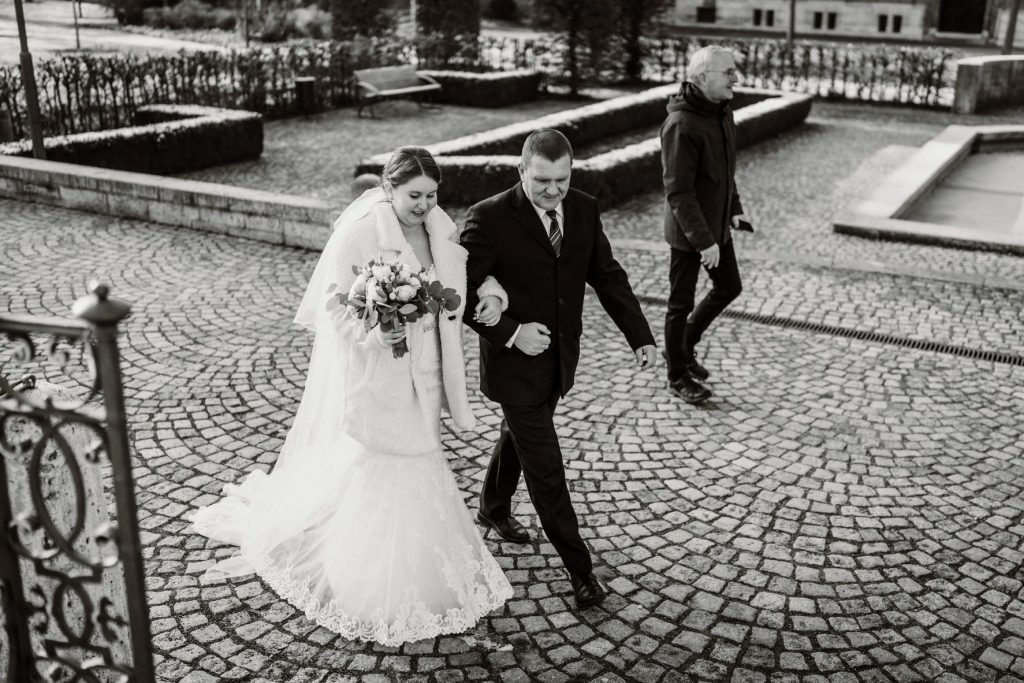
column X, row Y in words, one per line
column 476, row 166
column 167, row 139
column 498, row 89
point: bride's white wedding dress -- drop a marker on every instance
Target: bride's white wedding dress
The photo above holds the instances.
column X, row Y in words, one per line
column 372, row 541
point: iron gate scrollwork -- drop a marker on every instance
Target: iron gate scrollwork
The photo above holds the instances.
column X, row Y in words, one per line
column 72, row 593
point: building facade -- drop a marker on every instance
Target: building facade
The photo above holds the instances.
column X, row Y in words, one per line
column 912, row 20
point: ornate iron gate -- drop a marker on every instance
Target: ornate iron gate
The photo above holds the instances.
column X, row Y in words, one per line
column 72, row 595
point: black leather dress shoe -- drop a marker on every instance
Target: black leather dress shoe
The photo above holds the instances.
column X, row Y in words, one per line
column 697, row 370
column 588, row 590
column 690, row 390
column 508, row 528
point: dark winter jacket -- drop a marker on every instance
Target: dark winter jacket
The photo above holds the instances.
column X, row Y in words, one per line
column 698, row 160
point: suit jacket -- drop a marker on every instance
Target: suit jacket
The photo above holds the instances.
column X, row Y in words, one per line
column 698, row 160
column 505, row 238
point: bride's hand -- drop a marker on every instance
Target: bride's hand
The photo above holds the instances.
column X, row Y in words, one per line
column 390, row 337
column 488, row 311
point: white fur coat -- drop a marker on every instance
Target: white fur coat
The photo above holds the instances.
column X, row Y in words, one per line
column 393, row 404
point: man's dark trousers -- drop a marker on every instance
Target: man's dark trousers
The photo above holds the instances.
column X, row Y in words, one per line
column 528, row 444
column 683, row 331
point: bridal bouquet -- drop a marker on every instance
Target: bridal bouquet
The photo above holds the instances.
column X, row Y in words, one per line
column 389, row 294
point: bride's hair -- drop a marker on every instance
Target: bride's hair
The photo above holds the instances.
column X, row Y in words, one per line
column 407, row 163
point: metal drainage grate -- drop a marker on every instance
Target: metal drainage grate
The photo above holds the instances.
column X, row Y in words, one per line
column 864, row 335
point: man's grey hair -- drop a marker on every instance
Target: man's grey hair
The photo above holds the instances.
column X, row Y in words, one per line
column 700, row 61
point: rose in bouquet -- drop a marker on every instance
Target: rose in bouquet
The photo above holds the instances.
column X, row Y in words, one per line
column 390, row 294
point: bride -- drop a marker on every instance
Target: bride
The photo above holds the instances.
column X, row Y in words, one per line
column 361, row 525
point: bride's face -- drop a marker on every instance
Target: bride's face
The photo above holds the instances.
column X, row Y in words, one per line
column 413, row 200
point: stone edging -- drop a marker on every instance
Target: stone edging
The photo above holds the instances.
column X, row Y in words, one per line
column 880, row 214
column 264, row 216
column 832, row 262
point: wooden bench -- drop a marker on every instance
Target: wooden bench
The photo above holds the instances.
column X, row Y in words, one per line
column 391, row 81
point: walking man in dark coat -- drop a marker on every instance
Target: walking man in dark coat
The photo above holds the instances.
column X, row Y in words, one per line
column 698, row 156
column 544, row 243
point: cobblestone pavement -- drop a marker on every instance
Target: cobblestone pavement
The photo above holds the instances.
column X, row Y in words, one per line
column 840, row 511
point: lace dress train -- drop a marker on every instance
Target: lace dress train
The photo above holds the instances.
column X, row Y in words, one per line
column 373, row 546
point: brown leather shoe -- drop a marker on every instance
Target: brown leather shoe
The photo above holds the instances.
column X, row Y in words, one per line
column 587, row 589
column 508, row 528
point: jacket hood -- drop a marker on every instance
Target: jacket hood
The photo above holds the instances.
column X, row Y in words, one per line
column 690, row 98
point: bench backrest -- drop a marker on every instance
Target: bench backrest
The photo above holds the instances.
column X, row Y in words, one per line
column 389, row 77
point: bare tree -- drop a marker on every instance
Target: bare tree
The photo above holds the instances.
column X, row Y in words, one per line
column 637, row 17
column 580, row 23
column 352, row 18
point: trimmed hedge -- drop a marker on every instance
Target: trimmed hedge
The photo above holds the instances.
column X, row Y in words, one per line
column 477, row 166
column 166, row 139
column 499, row 89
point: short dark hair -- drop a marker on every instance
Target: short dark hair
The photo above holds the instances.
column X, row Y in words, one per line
column 407, row 163
column 546, row 143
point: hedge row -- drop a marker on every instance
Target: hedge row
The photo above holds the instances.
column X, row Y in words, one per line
column 499, row 89
column 167, row 139
column 582, row 126
column 480, row 165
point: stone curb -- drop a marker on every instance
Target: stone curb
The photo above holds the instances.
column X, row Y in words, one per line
column 858, row 265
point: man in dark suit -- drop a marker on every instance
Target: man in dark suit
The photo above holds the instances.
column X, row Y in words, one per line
column 544, row 243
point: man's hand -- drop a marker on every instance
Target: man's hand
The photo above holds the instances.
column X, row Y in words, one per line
column 709, row 257
column 533, row 338
column 647, row 357
column 740, row 222
column 488, row 311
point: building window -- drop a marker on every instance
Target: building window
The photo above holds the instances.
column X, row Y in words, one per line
column 705, row 15
column 818, row 18
column 883, row 23
column 831, row 21
column 769, row 17
column 757, row 17
column 897, row 23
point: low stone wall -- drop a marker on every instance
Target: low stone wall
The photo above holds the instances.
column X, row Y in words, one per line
column 264, row 216
column 987, row 82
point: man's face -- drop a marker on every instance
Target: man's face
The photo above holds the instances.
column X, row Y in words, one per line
column 546, row 182
column 717, row 82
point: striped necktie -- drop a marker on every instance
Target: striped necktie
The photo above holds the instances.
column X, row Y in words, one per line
column 554, row 232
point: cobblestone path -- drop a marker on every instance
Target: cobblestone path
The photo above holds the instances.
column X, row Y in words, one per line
column 840, row 511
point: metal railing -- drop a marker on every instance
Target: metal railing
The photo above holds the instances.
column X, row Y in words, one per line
column 72, row 593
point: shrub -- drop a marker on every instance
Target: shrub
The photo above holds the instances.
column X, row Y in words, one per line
column 130, row 11
column 584, row 31
column 486, row 90
column 351, row 18
column 636, row 18
column 451, row 27
column 280, row 23
column 193, row 14
column 98, row 92
column 165, row 140
column 480, row 165
column 503, row 10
